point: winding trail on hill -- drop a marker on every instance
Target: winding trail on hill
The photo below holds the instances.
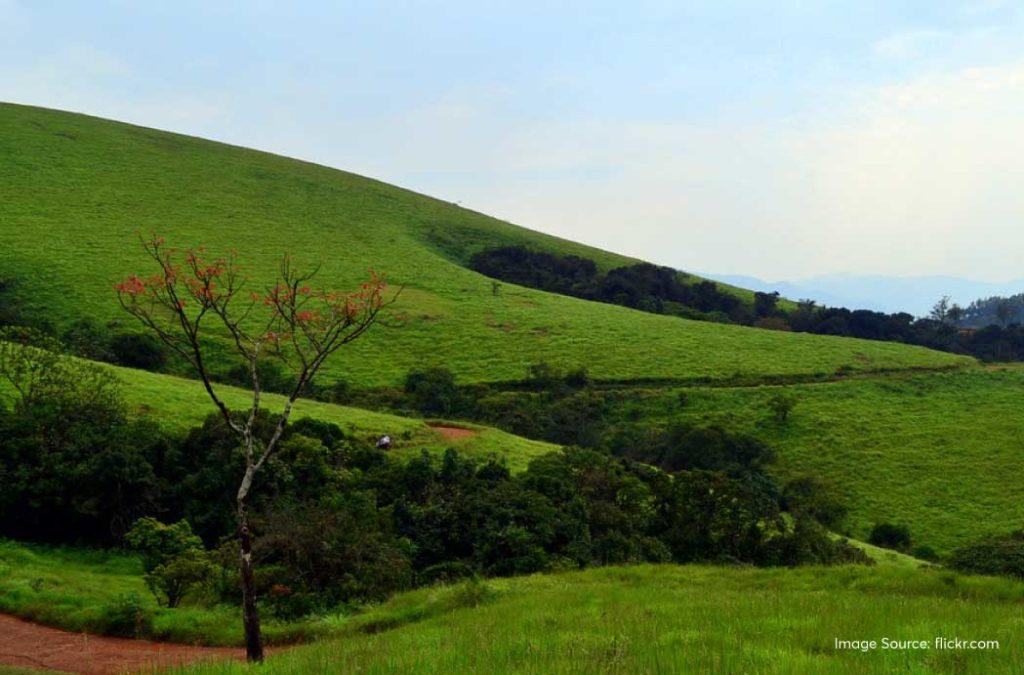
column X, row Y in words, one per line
column 28, row 645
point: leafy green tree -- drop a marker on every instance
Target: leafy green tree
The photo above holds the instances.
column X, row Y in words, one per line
column 433, row 391
column 173, row 557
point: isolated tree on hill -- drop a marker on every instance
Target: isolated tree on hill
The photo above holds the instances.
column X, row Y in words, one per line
column 189, row 298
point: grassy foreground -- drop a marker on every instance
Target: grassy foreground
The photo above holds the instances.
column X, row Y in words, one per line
column 76, row 189
column 650, row 618
column 939, row 452
column 82, row 590
column 670, row 619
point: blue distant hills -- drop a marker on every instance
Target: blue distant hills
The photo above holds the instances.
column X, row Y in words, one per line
column 915, row 295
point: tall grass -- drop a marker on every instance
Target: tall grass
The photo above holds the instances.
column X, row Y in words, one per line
column 689, row 619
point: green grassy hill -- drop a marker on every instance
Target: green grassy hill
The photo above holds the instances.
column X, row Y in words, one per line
column 636, row 619
column 75, row 190
column 939, row 452
column 179, row 404
column 668, row 619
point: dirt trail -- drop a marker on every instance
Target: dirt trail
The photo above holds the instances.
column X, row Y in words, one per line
column 29, row 645
column 452, row 433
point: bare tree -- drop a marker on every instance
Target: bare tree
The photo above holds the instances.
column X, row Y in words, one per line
column 190, row 298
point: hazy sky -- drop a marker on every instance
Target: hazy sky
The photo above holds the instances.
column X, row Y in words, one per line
column 778, row 139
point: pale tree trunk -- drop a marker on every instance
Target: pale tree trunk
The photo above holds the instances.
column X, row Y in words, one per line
column 250, row 613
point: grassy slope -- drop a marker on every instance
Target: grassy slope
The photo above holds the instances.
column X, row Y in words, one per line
column 75, row 189
column 73, row 588
column 940, row 452
column 682, row 619
column 636, row 619
column 178, row 404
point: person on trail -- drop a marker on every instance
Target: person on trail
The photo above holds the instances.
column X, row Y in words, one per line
column 384, row 442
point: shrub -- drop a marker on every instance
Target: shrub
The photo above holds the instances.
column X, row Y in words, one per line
column 888, row 535
column 781, row 405
column 272, row 377
column 812, row 497
column 685, row 447
column 86, row 339
column 157, row 543
column 126, row 616
column 173, row 557
column 172, row 580
column 1001, row 555
column 432, row 391
column 137, row 350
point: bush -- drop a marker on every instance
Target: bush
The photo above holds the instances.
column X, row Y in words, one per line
column 1001, row 555
column 126, row 616
column 781, row 405
column 888, row 535
column 685, row 447
column 432, row 391
column 157, row 543
column 173, row 557
column 137, row 350
column 810, row 496
column 86, row 339
column 171, row 581
column 271, row 374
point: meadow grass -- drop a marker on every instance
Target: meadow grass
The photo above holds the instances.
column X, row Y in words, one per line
column 649, row 618
column 673, row 619
column 77, row 189
column 178, row 404
column 940, row 452
column 78, row 589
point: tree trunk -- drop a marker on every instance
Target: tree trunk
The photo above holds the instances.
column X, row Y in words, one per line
column 250, row 614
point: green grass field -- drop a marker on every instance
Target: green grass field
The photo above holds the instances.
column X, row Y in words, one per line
column 77, row 589
column 939, row 452
column 76, row 189
column 636, row 619
column 667, row 619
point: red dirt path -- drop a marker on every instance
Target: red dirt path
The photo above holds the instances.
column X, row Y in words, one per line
column 452, row 433
column 29, row 645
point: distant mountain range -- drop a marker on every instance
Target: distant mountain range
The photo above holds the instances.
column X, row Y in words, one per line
column 915, row 295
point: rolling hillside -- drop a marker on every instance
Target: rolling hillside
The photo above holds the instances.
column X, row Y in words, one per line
column 75, row 190
column 939, row 452
column 179, row 404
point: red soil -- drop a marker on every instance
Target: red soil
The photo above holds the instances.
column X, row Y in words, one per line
column 29, row 645
column 452, row 433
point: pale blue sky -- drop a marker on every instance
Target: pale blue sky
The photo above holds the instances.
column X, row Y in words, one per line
column 776, row 139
